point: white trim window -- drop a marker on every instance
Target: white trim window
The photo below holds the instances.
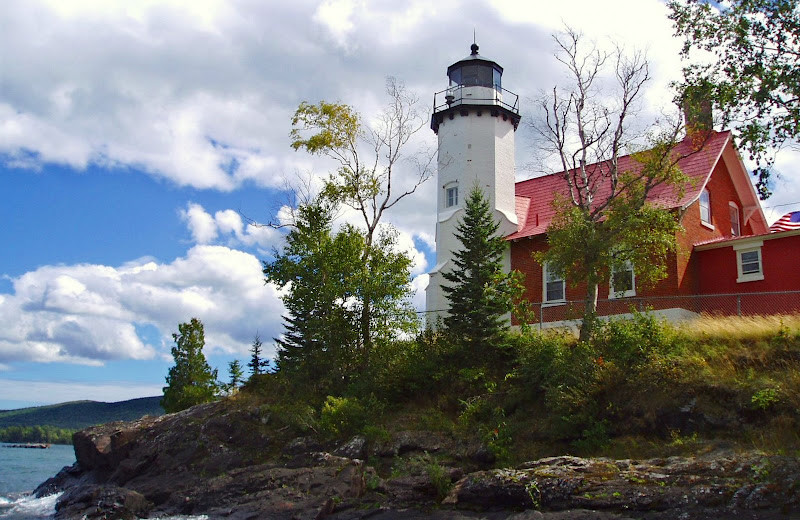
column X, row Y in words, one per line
column 451, row 196
column 736, row 229
column 554, row 286
column 705, row 207
column 623, row 282
column 749, row 264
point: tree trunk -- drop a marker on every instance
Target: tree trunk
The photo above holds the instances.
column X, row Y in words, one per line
column 589, row 312
column 366, row 334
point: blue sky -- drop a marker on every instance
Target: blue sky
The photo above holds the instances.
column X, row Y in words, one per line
column 134, row 137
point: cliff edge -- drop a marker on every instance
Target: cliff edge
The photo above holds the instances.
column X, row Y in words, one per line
column 231, row 462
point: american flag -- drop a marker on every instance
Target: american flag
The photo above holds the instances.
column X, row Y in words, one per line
column 787, row 222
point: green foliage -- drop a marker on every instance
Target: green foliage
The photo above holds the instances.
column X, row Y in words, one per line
column 191, row 381
column 765, row 398
column 331, row 278
column 634, row 342
column 751, row 81
column 430, row 466
column 336, row 125
column 439, row 477
column 479, row 292
column 36, row 434
column 343, row 416
column 586, row 386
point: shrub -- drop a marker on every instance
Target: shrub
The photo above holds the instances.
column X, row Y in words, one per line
column 633, row 342
column 345, row 416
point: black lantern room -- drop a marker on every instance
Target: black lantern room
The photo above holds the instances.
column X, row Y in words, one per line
column 475, row 71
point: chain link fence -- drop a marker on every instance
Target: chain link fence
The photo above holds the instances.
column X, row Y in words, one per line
column 674, row 308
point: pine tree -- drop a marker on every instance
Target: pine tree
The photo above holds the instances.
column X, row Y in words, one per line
column 256, row 364
column 236, row 375
column 191, row 381
column 478, row 292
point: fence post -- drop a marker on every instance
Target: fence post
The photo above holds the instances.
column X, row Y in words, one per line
column 739, row 305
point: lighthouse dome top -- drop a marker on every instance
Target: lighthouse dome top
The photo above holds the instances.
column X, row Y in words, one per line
column 475, row 71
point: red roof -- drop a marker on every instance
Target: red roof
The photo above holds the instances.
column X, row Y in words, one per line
column 535, row 216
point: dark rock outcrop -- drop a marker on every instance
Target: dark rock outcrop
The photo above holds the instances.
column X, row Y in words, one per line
column 227, row 462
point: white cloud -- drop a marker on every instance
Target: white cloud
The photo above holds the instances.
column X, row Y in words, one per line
column 86, row 313
column 227, row 226
column 336, row 16
column 201, row 225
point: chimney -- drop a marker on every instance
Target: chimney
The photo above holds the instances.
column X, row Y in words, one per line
column 697, row 115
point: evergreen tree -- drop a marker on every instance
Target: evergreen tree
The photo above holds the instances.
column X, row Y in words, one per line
column 191, row 381
column 330, row 280
column 236, row 375
column 319, row 337
column 479, row 290
column 256, row 364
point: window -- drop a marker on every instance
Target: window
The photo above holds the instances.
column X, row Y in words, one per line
column 623, row 282
column 735, row 228
column 705, row 207
column 451, row 196
column 554, row 286
column 748, row 262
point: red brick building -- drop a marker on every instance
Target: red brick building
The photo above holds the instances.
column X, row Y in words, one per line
column 725, row 248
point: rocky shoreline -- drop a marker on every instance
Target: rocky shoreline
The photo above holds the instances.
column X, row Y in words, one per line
column 227, row 462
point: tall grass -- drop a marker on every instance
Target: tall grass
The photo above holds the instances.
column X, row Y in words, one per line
column 732, row 329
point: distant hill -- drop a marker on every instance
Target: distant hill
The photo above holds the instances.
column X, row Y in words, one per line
column 76, row 415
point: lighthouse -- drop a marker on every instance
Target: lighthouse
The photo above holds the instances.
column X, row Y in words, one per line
column 475, row 120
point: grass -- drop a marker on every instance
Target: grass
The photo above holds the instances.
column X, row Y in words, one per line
column 738, row 329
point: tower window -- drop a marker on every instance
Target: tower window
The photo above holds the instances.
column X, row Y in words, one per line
column 451, row 196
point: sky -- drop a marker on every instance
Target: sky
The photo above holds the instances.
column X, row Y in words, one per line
column 141, row 142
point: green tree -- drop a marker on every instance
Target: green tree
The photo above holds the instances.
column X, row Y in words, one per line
column 367, row 159
column 480, row 293
column 235, row 375
column 604, row 222
column 316, row 267
column 752, row 79
column 328, row 284
column 191, row 381
column 256, row 364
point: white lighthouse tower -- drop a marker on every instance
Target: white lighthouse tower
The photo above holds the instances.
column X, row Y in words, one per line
column 475, row 119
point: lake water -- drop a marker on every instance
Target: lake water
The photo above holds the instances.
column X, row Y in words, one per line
column 21, row 470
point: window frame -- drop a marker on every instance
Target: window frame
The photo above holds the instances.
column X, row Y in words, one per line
column 545, row 281
column 448, row 189
column 704, row 203
column 733, row 207
column 628, row 293
column 743, row 249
